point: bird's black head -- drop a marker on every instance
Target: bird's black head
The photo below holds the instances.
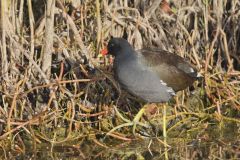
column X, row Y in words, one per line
column 118, row 46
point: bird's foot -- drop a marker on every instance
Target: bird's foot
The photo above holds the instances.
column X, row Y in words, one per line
column 137, row 119
column 128, row 123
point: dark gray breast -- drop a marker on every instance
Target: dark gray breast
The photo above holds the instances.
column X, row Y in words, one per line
column 140, row 80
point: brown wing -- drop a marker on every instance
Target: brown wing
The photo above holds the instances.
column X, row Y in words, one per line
column 171, row 68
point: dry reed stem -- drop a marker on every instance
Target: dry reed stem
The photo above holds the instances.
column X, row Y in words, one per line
column 48, row 40
column 4, row 61
column 31, row 23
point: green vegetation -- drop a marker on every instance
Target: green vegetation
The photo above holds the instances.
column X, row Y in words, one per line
column 56, row 89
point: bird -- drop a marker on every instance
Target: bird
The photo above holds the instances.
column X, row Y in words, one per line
column 151, row 74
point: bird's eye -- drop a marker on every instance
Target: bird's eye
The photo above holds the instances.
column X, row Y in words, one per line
column 111, row 45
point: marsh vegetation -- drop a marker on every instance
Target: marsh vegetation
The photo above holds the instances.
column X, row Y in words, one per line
column 57, row 94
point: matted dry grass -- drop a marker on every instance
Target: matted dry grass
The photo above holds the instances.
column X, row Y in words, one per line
column 75, row 99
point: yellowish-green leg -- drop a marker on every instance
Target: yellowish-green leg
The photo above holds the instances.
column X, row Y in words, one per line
column 165, row 132
column 164, row 122
column 133, row 123
column 137, row 118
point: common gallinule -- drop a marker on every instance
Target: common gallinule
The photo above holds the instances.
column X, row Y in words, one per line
column 152, row 74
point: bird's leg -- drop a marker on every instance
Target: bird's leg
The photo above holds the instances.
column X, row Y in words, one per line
column 165, row 132
column 137, row 119
column 128, row 122
column 164, row 122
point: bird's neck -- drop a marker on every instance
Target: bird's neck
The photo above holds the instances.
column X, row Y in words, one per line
column 129, row 53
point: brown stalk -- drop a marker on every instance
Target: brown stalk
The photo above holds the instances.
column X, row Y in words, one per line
column 4, row 61
column 48, row 43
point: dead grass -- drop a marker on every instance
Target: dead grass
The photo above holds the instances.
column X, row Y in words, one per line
column 75, row 101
